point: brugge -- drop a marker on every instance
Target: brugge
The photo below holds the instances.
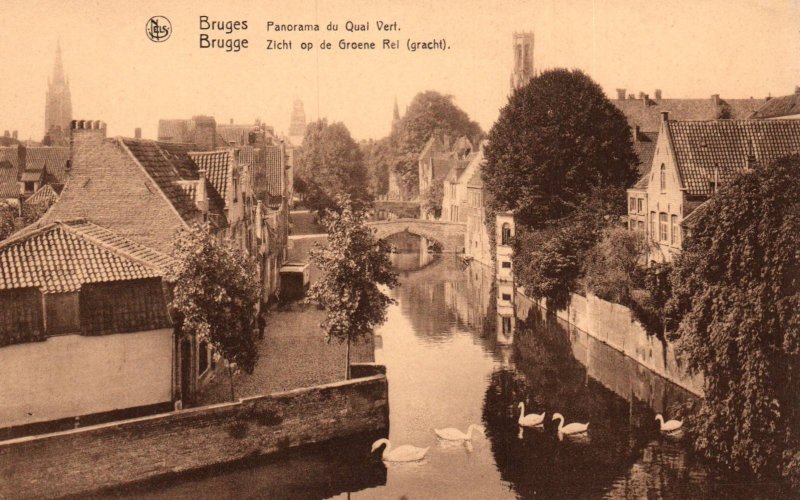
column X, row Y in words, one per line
column 229, row 44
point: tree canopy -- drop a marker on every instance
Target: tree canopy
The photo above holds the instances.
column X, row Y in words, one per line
column 331, row 163
column 556, row 139
column 430, row 113
column 354, row 265
column 736, row 288
column 216, row 292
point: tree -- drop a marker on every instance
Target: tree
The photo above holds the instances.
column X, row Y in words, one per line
column 378, row 158
column 736, row 287
column 612, row 265
column 430, row 113
column 11, row 220
column 354, row 264
column 431, row 199
column 556, row 139
column 331, row 164
column 216, row 292
column 8, row 216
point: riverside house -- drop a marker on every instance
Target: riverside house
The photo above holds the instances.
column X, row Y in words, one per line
column 694, row 159
column 84, row 328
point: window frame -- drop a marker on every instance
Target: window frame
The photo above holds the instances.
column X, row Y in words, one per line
column 663, row 227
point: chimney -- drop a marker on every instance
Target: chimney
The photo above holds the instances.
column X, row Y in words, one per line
column 621, row 94
column 86, row 132
column 664, row 116
column 231, row 122
column 205, row 132
column 137, row 133
column 22, row 158
column 715, row 99
column 797, row 89
column 14, row 135
column 636, row 133
column 6, row 134
column 201, row 198
column 645, row 99
column 631, row 96
column 657, row 93
column 641, row 95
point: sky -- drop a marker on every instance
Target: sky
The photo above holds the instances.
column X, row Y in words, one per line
column 686, row 48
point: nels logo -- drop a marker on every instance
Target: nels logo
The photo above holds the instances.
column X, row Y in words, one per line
column 158, row 29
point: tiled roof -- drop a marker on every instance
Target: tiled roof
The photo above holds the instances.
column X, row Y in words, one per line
column 642, row 182
column 45, row 195
column 476, row 181
column 238, row 134
column 215, row 204
column 647, row 117
column 175, row 130
column 11, row 155
column 645, row 148
column 715, row 151
column 62, row 256
column 178, row 154
column 217, row 167
column 163, row 172
column 779, row 106
column 691, row 219
column 8, row 180
column 274, row 170
column 53, row 158
column 247, row 155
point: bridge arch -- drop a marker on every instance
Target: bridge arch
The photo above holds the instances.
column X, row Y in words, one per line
column 450, row 235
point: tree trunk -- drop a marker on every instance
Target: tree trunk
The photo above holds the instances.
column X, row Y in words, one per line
column 347, row 366
column 230, row 377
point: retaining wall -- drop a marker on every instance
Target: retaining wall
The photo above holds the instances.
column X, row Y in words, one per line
column 616, row 326
column 102, row 456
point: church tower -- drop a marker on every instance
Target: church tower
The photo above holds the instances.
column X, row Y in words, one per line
column 58, row 105
column 297, row 124
column 523, row 60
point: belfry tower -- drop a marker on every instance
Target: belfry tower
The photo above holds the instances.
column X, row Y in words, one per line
column 58, row 104
column 523, row 60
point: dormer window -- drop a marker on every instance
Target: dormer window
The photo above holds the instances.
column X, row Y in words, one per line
column 663, row 180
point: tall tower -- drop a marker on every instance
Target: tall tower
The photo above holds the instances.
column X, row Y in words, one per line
column 395, row 114
column 297, row 125
column 58, row 104
column 523, row 60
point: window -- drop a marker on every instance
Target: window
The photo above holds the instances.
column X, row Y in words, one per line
column 640, row 205
column 507, row 296
column 29, row 187
column 640, row 226
column 632, row 204
column 454, row 213
column 506, row 265
column 653, row 226
column 662, row 227
column 675, row 233
column 506, row 234
column 663, row 178
column 506, row 325
column 204, row 354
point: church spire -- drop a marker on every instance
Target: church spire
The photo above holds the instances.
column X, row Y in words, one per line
column 396, row 115
column 58, row 67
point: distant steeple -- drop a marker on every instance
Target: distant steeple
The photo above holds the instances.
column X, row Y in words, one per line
column 523, row 60
column 58, row 103
column 396, row 115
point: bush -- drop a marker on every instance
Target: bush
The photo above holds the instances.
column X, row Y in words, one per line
column 612, row 265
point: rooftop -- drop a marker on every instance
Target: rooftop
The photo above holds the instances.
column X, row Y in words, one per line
column 63, row 255
column 645, row 113
column 777, row 107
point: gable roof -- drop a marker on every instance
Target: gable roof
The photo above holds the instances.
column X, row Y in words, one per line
column 53, row 158
column 643, row 182
column 45, row 195
column 691, row 219
column 63, row 255
column 648, row 116
column 150, row 156
column 8, row 180
column 645, row 148
column 715, row 151
column 217, row 166
column 776, row 107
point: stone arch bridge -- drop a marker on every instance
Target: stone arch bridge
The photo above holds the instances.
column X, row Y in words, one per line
column 449, row 234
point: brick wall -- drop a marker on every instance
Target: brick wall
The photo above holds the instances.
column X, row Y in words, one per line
column 91, row 458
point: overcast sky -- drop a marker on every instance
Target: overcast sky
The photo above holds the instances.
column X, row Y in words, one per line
column 687, row 48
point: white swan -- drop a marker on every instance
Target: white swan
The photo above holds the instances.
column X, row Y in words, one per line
column 404, row 453
column 573, row 428
column 669, row 425
column 452, row 434
column 530, row 420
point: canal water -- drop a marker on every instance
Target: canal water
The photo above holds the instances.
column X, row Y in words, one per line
column 453, row 359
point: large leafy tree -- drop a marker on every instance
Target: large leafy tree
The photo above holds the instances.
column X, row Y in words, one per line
column 556, row 139
column 736, row 287
column 13, row 219
column 378, row 158
column 216, row 292
column 430, row 113
column 354, row 265
column 331, row 164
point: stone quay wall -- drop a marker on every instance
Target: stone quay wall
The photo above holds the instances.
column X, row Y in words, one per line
column 615, row 325
column 102, row 456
